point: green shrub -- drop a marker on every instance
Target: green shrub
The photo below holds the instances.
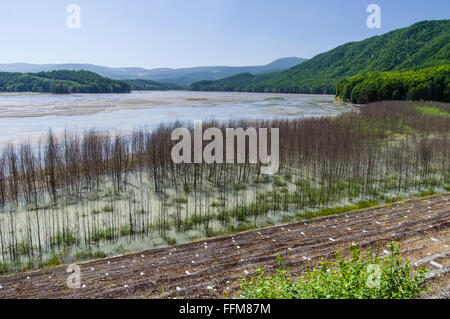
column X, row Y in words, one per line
column 53, row 261
column 108, row 209
column 170, row 240
column 352, row 278
column 3, row 268
column 239, row 187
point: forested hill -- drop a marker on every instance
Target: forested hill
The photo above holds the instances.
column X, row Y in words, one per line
column 149, row 85
column 421, row 45
column 427, row 84
column 63, row 81
column 236, row 82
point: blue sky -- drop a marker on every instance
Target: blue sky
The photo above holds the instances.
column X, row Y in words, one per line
column 184, row 33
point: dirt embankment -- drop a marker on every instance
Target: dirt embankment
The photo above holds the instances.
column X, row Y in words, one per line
column 186, row 271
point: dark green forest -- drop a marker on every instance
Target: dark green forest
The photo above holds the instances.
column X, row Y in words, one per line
column 149, row 85
column 426, row 84
column 236, row 82
column 60, row 82
column 424, row 44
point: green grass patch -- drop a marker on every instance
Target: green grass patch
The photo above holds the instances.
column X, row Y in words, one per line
column 339, row 210
column 434, row 111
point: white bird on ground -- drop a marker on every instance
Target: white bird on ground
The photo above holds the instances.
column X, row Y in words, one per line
column 187, row 272
column 435, row 264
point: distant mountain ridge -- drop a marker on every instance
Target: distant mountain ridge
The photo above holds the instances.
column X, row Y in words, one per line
column 183, row 76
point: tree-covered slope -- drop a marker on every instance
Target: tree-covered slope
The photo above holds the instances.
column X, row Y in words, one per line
column 427, row 84
column 63, row 81
column 236, row 82
column 149, row 85
column 421, row 45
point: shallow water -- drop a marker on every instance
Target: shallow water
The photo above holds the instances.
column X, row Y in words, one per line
column 30, row 116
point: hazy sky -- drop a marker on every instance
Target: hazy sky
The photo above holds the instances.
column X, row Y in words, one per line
column 184, row 33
